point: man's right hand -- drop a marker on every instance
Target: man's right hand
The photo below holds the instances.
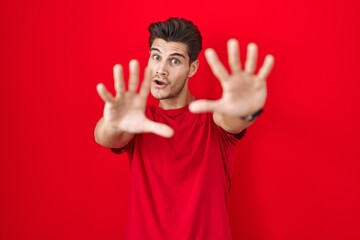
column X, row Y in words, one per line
column 125, row 113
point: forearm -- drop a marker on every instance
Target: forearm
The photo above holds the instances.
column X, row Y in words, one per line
column 110, row 137
column 230, row 124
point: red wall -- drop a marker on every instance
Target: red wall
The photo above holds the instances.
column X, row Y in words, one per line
column 297, row 171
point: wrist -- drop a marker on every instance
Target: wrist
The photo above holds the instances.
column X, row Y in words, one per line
column 252, row 117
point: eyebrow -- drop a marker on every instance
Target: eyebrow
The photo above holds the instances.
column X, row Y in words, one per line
column 173, row 54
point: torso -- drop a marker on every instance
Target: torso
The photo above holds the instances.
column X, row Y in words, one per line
column 180, row 185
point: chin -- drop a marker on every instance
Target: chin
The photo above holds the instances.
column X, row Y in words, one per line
column 157, row 94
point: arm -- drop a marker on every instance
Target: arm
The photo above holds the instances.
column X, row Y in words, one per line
column 244, row 92
column 111, row 137
column 230, row 124
column 124, row 114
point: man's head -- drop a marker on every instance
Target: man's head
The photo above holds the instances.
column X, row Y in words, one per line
column 178, row 30
column 174, row 47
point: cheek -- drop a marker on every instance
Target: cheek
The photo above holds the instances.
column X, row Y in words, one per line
column 180, row 73
column 151, row 67
column 179, row 81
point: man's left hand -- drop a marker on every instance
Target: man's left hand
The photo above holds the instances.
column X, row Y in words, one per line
column 244, row 92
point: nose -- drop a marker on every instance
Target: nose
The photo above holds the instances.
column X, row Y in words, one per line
column 162, row 70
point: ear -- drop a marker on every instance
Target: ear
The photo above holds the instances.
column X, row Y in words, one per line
column 193, row 68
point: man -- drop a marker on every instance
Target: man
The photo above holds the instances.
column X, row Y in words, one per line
column 181, row 151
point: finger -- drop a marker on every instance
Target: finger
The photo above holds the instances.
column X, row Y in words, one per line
column 134, row 76
column 251, row 58
column 216, row 66
column 158, row 129
column 145, row 86
column 234, row 56
column 200, row 106
column 118, row 79
column 104, row 93
column 266, row 67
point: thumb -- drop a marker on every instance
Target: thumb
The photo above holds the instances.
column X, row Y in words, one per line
column 200, row 106
column 158, row 129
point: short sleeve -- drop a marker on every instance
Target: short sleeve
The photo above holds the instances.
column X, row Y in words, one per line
column 118, row 150
column 127, row 148
column 240, row 135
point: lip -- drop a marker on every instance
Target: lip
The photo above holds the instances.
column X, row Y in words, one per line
column 160, row 83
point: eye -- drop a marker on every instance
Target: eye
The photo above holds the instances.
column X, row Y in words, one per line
column 156, row 57
column 175, row 61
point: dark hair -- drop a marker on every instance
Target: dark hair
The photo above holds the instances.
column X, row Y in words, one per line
column 178, row 30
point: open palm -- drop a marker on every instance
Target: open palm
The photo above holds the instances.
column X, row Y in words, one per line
column 244, row 92
column 125, row 112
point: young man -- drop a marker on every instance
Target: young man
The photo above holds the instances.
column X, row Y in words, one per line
column 181, row 151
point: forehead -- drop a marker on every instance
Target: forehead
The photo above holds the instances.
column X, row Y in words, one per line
column 170, row 47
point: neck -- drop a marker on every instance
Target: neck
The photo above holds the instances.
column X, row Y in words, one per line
column 178, row 102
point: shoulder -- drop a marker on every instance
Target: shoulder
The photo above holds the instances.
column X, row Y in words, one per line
column 226, row 134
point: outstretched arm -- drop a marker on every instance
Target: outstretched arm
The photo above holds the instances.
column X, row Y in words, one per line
column 124, row 114
column 244, row 92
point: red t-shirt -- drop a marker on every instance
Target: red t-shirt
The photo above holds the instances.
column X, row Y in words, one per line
column 180, row 185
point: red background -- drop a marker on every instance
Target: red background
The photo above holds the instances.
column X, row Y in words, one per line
column 297, row 170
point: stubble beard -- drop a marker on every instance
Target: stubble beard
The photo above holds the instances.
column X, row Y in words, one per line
column 172, row 94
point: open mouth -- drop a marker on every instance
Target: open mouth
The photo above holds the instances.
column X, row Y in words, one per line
column 159, row 83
